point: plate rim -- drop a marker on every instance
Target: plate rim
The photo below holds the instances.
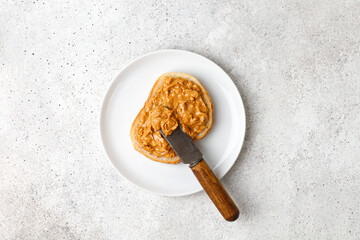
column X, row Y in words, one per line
column 105, row 100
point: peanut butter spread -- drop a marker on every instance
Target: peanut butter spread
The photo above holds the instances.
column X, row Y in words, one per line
column 178, row 101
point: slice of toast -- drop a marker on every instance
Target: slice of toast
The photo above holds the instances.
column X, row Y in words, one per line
column 158, row 84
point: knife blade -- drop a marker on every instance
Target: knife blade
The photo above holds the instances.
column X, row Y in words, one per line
column 187, row 151
column 183, row 146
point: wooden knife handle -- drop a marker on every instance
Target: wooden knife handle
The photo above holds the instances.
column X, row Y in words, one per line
column 216, row 191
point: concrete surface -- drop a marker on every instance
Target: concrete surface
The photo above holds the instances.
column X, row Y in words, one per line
column 296, row 64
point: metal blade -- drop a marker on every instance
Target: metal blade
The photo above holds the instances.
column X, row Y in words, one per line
column 183, row 146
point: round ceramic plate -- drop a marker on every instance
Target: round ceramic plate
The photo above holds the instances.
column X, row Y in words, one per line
column 127, row 95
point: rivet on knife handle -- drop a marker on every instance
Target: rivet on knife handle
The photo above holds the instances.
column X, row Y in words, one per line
column 216, row 191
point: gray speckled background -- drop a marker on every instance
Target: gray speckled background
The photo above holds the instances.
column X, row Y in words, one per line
column 297, row 67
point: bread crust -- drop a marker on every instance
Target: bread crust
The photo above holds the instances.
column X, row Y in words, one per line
column 157, row 85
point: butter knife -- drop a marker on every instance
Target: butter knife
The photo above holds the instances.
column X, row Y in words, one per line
column 185, row 148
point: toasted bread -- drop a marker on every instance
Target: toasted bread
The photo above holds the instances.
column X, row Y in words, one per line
column 206, row 99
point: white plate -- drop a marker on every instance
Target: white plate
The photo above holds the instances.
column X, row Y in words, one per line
column 128, row 93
